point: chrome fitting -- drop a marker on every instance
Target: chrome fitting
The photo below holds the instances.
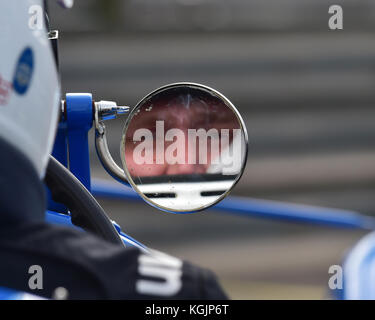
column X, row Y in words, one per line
column 108, row 110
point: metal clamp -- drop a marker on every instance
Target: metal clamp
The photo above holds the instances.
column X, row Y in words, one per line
column 106, row 110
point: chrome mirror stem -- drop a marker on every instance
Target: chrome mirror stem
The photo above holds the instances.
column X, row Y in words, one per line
column 105, row 110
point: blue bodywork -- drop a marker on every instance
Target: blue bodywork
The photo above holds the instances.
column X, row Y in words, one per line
column 64, row 219
column 72, row 150
column 8, row 294
column 256, row 208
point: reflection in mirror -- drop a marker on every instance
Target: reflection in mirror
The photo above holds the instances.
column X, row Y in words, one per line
column 184, row 147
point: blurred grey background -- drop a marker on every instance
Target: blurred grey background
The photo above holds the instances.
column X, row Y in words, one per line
column 306, row 94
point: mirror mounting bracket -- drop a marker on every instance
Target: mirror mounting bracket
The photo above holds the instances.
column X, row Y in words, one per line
column 106, row 110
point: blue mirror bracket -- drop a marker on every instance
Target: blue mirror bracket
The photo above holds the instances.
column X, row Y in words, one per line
column 71, row 146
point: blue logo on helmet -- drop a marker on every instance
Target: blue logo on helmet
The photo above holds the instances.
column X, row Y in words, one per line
column 24, row 71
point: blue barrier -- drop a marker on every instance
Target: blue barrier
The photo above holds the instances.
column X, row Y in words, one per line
column 250, row 207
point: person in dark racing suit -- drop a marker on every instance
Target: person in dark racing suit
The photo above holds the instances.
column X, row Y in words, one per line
column 81, row 263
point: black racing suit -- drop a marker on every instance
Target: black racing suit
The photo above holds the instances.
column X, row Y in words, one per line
column 86, row 266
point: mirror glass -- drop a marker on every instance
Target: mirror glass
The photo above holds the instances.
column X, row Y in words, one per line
column 184, row 147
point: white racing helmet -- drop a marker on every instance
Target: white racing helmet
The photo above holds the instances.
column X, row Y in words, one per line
column 29, row 84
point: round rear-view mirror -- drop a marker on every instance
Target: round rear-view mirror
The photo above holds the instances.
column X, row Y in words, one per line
column 184, row 147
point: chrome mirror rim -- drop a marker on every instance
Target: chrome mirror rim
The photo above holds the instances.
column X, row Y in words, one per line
column 133, row 112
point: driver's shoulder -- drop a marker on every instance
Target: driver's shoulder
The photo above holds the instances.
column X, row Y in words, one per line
column 68, row 255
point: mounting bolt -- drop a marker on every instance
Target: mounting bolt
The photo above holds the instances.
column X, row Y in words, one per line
column 108, row 110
